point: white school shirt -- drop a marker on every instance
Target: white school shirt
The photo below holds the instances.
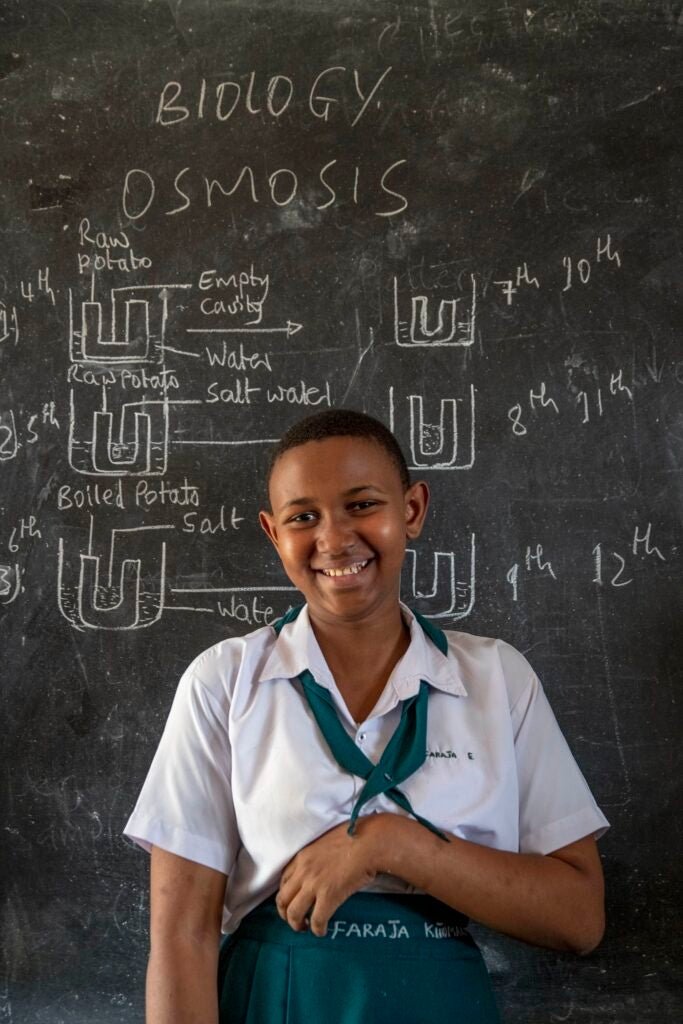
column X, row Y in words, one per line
column 243, row 779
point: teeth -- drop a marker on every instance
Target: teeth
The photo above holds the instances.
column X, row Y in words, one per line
column 350, row 570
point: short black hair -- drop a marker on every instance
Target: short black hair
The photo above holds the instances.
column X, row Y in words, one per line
column 340, row 423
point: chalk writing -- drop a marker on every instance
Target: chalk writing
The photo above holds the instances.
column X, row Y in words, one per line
column 124, row 259
column 641, row 546
column 247, row 294
column 611, row 568
column 521, row 278
column 9, row 443
column 574, row 271
column 590, row 402
column 27, row 527
column 579, row 271
column 334, row 185
column 9, row 587
column 249, row 612
column 43, row 287
column 225, row 522
column 272, row 97
column 9, row 324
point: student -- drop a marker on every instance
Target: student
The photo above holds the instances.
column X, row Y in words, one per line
column 363, row 782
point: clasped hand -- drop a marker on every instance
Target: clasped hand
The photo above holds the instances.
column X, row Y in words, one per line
column 325, row 873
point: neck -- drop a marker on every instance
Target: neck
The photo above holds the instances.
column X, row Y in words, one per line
column 361, row 655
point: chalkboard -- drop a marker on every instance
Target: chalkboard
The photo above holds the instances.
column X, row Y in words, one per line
column 217, row 217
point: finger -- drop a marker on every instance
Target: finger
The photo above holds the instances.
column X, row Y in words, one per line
column 281, row 907
column 288, row 889
column 319, row 919
column 282, row 900
column 298, row 909
column 326, row 904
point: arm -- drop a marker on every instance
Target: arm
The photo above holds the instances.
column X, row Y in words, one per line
column 554, row 900
column 185, row 925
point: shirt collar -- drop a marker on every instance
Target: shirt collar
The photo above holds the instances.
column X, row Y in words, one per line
column 297, row 649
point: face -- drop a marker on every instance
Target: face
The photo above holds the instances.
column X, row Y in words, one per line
column 340, row 521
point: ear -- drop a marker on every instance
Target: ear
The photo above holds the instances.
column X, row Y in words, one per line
column 269, row 527
column 416, row 505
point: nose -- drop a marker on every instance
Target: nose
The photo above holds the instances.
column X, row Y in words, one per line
column 335, row 536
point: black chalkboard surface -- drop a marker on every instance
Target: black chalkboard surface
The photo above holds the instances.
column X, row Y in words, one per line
column 216, row 217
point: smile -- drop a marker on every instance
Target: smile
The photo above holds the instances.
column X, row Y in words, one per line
column 348, row 570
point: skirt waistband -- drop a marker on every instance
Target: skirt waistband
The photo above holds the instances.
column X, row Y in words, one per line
column 386, row 957
column 366, row 917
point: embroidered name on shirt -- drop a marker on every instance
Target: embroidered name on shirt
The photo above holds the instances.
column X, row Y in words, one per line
column 449, row 754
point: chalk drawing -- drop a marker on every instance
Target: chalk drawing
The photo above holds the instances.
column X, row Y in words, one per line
column 138, row 448
column 90, row 598
column 137, row 319
column 442, row 442
column 447, row 596
column 453, row 323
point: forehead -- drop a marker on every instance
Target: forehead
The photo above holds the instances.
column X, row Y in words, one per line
column 340, row 462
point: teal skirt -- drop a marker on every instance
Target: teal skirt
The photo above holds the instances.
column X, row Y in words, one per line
column 386, row 958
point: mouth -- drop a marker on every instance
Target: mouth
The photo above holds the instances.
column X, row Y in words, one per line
column 348, row 570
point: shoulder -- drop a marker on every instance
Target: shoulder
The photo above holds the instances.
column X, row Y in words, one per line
column 488, row 664
column 219, row 668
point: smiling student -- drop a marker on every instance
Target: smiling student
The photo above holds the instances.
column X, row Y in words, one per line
column 342, row 791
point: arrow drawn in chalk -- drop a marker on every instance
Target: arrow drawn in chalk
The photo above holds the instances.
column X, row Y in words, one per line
column 289, row 330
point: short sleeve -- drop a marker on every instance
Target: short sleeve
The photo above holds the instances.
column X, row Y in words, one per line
column 185, row 805
column 556, row 807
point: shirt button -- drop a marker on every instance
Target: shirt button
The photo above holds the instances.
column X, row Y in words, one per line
column 361, row 737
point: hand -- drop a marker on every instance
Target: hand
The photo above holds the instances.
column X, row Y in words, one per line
column 326, row 872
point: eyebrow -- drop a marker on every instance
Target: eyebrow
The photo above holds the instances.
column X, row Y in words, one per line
column 294, row 502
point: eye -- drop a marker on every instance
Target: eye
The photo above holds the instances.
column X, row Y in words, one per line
column 302, row 517
column 363, row 505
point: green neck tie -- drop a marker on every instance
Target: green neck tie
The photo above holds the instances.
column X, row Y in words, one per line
column 404, row 753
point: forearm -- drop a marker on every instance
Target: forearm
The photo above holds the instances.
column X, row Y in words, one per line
column 182, row 982
column 542, row 900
